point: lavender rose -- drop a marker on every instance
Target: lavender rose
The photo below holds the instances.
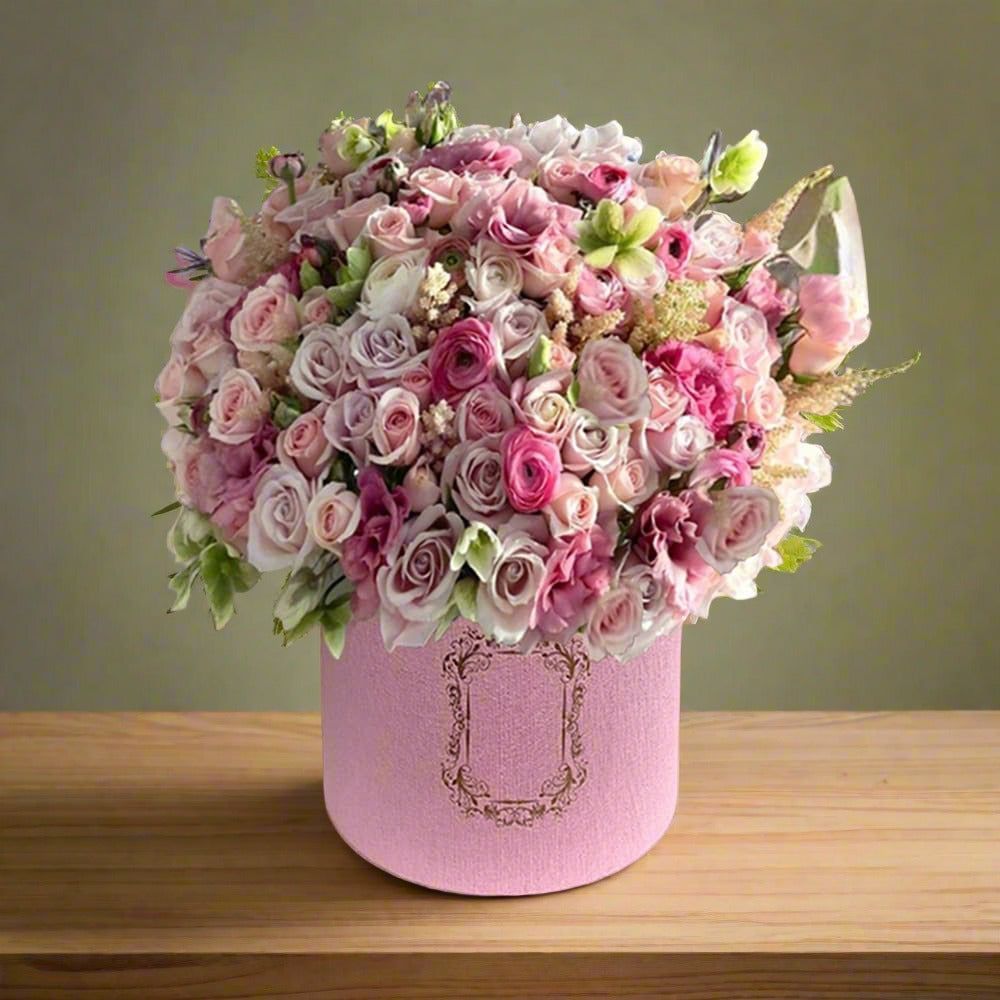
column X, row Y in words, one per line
column 613, row 383
column 381, row 350
column 484, row 411
column 278, row 531
column 320, row 369
column 506, row 598
column 472, row 477
column 348, row 423
column 736, row 525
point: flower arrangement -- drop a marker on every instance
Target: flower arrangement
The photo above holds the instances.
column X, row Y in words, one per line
column 515, row 375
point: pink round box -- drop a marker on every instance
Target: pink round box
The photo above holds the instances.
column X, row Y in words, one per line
column 470, row 768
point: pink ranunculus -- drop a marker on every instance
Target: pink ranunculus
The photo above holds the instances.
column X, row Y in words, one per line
column 606, row 181
column 672, row 183
column 615, row 623
column 390, row 230
column 560, row 176
column 179, row 382
column 591, row 446
column 268, row 318
column 483, row 412
column 473, row 479
column 834, row 321
column 303, row 445
column 674, row 246
column 278, row 531
column 577, row 572
column 315, row 307
column 348, row 224
column 573, row 508
column 382, row 515
column 238, row 408
column 506, row 599
column 444, row 192
column 464, row 355
column 416, row 583
column 321, row 368
column 416, row 378
column 396, row 428
column 349, row 421
column 736, row 525
column 702, row 376
column 470, row 157
column 531, row 468
column 381, row 350
column 548, row 266
column 626, row 485
column 764, row 293
column 224, row 243
column 420, row 484
column 599, row 292
column 721, row 463
column 613, row 382
column 518, row 325
column 333, row 516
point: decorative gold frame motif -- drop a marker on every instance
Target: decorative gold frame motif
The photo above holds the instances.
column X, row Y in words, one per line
column 470, row 654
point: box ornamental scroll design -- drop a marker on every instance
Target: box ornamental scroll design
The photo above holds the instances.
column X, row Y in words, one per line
column 471, row 654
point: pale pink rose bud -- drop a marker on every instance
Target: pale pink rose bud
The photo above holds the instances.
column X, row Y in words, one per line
column 421, row 486
column 396, row 428
column 315, row 307
column 304, row 445
column 760, row 400
column 333, row 516
column 346, row 226
column 628, row 485
column 238, row 408
column 560, row 176
column 268, row 318
column 573, row 508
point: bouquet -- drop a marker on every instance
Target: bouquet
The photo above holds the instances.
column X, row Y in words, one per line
column 515, row 375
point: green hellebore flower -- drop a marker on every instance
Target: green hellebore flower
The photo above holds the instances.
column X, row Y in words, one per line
column 478, row 547
column 608, row 241
column 739, row 166
column 357, row 145
column 438, row 123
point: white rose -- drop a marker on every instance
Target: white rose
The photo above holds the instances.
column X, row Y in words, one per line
column 392, row 284
column 493, row 276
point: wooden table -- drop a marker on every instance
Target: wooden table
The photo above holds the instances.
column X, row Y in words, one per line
column 179, row 856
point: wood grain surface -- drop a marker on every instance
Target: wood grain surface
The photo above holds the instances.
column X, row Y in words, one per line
column 181, row 856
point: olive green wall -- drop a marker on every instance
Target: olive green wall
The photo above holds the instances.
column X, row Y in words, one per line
column 122, row 120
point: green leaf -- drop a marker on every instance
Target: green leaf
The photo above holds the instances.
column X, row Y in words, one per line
column 359, row 261
column 181, row 583
column 795, row 549
column 825, row 421
column 573, row 392
column 446, row 619
column 218, row 584
column 540, row 359
column 309, row 277
column 736, row 280
column 334, row 623
column 188, row 535
column 284, row 410
column 167, row 508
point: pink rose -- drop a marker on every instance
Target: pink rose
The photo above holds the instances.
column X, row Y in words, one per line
column 416, row 584
column 320, row 369
column 333, row 516
column 747, row 341
column 615, row 623
column 573, row 508
column 577, row 571
column 627, row 485
column 506, row 598
column 179, row 383
column 674, row 246
column 313, row 205
column 606, row 181
column 373, row 177
column 523, row 214
column 702, row 376
column 349, row 421
column 483, row 412
column 396, row 428
column 420, row 485
column 268, row 317
column 224, row 243
column 382, row 516
column 303, row 445
column 560, row 176
column 473, row 479
column 678, row 446
column 443, row 190
column 199, row 476
column 613, row 383
column 834, row 321
column 721, row 463
column 547, row 267
column 764, row 293
column 347, row 225
column 200, row 333
column 417, row 379
column 599, row 292
column 238, row 409
column 315, row 306
column 390, row 230
column 518, row 325
column 718, row 245
column 278, row 532
column 471, row 157
column 591, row 446
column 278, row 201
column 464, row 355
column 381, row 350
column 542, row 405
column 759, row 400
column 531, row 468
column 672, row 183
column 736, row 525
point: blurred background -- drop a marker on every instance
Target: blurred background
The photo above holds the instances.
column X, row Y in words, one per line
column 120, row 121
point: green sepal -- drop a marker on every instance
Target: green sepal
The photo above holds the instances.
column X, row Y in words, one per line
column 224, row 574
column 285, row 410
column 573, row 393
column 464, row 597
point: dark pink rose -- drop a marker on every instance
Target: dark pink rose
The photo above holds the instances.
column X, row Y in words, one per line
column 606, row 180
column 702, row 376
column 471, row 157
column 463, row 356
column 382, row 516
column 577, row 572
column 531, row 468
